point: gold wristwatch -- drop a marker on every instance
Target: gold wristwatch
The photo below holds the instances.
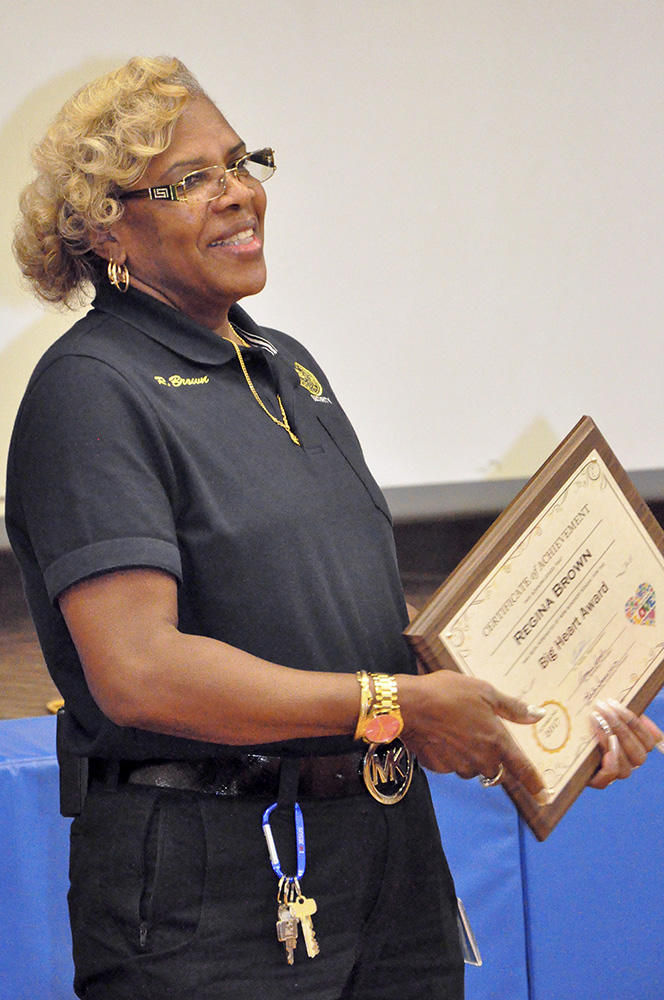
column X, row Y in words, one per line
column 383, row 722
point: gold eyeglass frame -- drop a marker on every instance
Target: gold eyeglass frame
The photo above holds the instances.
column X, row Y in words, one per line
column 175, row 192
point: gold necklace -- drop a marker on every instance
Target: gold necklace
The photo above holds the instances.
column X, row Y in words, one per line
column 284, row 421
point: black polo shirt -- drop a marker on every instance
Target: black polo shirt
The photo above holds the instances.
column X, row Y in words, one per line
column 139, row 443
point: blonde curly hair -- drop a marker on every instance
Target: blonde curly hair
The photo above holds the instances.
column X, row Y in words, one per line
column 99, row 144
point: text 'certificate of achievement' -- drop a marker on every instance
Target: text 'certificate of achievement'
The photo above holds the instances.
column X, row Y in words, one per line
column 557, row 605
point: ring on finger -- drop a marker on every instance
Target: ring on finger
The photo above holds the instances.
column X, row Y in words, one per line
column 491, row 782
column 603, row 724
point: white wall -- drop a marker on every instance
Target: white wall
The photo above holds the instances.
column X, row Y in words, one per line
column 466, row 224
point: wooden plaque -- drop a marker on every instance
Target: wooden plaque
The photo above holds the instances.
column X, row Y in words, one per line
column 557, row 605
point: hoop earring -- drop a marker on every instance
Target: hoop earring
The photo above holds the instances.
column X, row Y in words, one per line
column 118, row 275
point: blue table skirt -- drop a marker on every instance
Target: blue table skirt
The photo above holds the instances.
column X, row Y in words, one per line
column 577, row 916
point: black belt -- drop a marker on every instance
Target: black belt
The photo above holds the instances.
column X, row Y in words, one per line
column 237, row 775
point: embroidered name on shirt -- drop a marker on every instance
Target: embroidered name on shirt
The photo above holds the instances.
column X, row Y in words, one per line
column 177, row 380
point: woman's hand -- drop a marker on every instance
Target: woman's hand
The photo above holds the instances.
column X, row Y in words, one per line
column 626, row 740
column 452, row 722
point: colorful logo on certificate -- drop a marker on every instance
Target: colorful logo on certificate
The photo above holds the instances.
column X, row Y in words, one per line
column 640, row 609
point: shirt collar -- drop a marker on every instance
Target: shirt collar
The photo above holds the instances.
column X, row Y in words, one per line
column 174, row 330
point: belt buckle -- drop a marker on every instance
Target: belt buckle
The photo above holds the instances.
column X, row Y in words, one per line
column 388, row 771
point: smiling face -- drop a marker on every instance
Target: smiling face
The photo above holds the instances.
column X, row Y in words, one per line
column 199, row 258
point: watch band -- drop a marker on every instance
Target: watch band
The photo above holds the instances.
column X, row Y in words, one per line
column 383, row 721
column 366, row 697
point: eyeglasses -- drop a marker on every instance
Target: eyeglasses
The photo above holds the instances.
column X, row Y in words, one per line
column 209, row 183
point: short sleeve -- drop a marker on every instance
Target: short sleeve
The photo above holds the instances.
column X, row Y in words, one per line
column 91, row 475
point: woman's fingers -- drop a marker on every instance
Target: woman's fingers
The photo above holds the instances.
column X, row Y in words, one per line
column 515, row 710
column 625, row 739
column 636, row 739
column 614, row 763
column 631, row 748
column 644, row 729
column 453, row 723
column 514, row 760
column 655, row 731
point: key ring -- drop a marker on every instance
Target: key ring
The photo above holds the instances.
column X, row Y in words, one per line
column 299, row 841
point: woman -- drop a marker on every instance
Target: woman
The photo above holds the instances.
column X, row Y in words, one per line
column 211, row 571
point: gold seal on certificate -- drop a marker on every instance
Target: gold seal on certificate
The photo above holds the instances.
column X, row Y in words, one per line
column 557, row 605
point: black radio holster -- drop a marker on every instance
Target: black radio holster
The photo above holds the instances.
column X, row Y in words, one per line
column 73, row 771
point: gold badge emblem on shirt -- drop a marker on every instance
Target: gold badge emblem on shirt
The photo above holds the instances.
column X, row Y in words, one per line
column 309, row 380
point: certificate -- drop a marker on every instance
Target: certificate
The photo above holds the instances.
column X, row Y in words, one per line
column 557, row 605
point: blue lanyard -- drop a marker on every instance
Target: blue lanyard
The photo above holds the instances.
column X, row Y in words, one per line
column 299, row 837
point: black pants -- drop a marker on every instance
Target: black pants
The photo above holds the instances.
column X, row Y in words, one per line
column 172, row 896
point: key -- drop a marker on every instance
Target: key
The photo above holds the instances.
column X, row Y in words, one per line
column 287, row 930
column 303, row 908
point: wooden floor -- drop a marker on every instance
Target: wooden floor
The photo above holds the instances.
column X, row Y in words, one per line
column 24, row 681
column 25, row 686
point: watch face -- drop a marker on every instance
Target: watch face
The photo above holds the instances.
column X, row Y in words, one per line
column 382, row 728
